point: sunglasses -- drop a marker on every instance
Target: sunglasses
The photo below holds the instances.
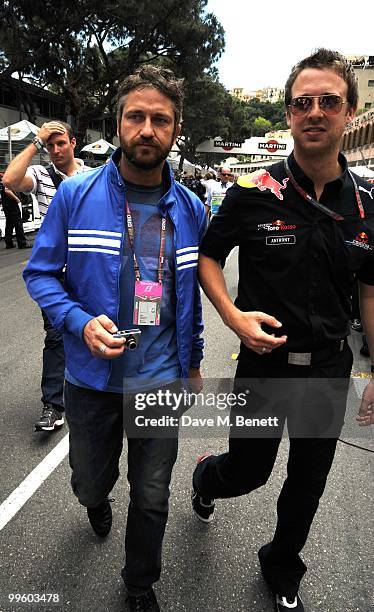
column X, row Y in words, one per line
column 223, row 174
column 330, row 104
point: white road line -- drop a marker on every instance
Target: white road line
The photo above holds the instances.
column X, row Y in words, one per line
column 32, row 482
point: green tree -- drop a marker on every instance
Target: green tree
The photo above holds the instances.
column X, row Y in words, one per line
column 209, row 112
column 261, row 126
column 273, row 113
column 83, row 51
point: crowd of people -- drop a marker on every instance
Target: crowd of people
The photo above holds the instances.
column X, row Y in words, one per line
column 122, row 247
column 211, row 189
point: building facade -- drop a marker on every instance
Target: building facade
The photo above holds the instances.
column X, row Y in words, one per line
column 20, row 100
column 266, row 94
column 241, row 94
column 358, row 140
column 363, row 67
column 272, row 94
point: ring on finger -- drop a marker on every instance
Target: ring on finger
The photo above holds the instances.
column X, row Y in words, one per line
column 263, row 349
column 102, row 349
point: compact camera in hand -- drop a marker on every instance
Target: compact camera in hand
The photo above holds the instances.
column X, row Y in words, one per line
column 132, row 337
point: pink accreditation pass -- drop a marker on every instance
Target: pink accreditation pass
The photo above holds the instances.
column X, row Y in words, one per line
column 147, row 303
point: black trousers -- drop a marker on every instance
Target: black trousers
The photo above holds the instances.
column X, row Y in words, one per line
column 13, row 221
column 249, row 462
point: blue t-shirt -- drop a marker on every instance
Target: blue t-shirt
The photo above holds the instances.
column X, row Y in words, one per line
column 155, row 361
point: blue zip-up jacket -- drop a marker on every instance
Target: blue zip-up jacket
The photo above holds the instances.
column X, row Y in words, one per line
column 84, row 229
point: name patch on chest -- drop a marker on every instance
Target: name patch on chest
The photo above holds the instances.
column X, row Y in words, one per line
column 273, row 240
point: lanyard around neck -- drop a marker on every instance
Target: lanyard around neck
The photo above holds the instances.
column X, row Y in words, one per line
column 161, row 257
column 308, row 197
column 358, row 197
column 317, row 204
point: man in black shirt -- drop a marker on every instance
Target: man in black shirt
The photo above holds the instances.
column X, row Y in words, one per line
column 304, row 229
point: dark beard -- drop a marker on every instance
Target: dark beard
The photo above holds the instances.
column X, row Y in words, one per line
column 143, row 164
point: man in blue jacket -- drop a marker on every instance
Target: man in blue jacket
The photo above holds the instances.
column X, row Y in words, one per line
column 129, row 237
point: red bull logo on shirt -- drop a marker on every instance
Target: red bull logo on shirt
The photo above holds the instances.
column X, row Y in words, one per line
column 264, row 180
column 362, row 241
column 362, row 237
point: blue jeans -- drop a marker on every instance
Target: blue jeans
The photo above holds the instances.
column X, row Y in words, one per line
column 96, row 426
column 53, row 366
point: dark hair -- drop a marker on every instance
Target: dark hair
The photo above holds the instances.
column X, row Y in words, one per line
column 153, row 76
column 325, row 58
column 67, row 127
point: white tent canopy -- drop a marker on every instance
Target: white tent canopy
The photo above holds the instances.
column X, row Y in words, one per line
column 174, row 160
column 362, row 171
column 100, row 147
column 19, row 131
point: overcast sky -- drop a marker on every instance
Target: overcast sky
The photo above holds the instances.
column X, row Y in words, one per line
column 265, row 38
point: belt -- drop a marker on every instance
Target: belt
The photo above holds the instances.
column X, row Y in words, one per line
column 308, row 358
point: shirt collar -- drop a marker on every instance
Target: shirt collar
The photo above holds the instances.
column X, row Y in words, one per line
column 80, row 168
column 304, row 181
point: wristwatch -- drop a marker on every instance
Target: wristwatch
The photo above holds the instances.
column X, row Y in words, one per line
column 38, row 143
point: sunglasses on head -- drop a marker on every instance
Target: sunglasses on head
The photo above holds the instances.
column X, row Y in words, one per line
column 330, row 104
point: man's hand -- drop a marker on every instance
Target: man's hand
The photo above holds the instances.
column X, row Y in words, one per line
column 49, row 128
column 195, row 380
column 97, row 334
column 247, row 325
column 366, row 413
column 12, row 195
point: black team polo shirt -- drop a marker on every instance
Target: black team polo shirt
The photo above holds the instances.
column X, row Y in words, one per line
column 295, row 262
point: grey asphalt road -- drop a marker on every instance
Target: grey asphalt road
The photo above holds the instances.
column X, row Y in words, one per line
column 48, row 547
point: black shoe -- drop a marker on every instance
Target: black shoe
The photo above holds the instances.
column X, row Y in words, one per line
column 27, row 245
column 203, row 507
column 9, row 246
column 146, row 602
column 101, row 518
column 284, row 604
column 50, row 419
column 281, row 603
column 356, row 325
